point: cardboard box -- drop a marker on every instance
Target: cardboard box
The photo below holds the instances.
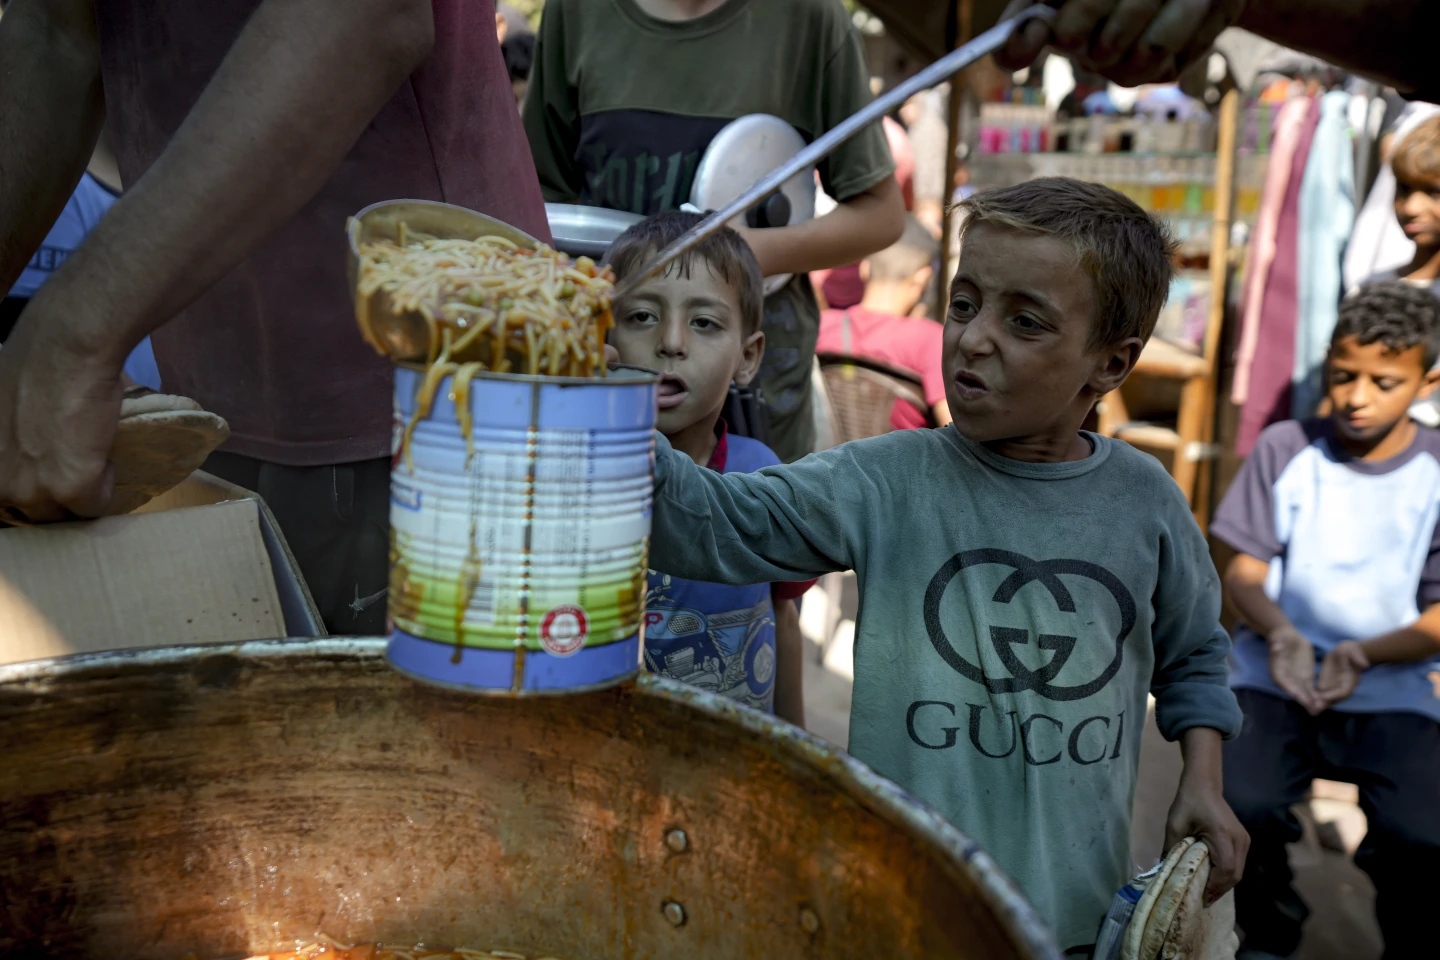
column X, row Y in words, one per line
column 203, row 563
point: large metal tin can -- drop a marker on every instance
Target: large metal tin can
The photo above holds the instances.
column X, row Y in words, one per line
column 518, row 555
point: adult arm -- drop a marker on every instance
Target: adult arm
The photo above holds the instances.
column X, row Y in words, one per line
column 299, row 85
column 50, row 117
column 295, row 91
column 942, row 413
column 1139, row 41
column 789, row 663
column 870, row 214
column 856, row 228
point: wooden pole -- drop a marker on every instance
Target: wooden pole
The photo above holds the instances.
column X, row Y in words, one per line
column 959, row 26
column 1195, row 459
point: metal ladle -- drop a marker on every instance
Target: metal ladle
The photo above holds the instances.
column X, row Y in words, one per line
column 404, row 335
column 939, row 71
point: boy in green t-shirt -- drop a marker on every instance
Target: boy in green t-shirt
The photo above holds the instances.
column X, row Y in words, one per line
column 625, row 96
column 1023, row 584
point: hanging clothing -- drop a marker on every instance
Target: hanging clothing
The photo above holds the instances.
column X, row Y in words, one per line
column 1327, row 214
column 1267, row 399
column 1377, row 243
column 1262, row 249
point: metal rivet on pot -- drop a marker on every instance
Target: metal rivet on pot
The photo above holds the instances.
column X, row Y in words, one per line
column 677, row 841
column 674, row 912
column 809, row 922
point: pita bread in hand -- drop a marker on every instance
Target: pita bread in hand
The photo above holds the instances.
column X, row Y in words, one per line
column 1171, row 921
column 159, row 441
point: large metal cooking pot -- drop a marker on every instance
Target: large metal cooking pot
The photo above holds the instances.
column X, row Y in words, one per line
column 215, row 801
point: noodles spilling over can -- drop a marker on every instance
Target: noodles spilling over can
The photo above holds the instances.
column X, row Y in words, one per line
column 491, row 303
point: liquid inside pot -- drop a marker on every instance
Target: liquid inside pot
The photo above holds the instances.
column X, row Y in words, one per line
column 330, row 950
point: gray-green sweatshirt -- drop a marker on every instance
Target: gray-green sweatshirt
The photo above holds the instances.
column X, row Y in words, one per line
column 1012, row 618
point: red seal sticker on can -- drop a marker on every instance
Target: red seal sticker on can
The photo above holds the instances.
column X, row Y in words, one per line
column 564, row 629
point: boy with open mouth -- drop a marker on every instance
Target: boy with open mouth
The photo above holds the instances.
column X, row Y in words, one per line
column 698, row 324
column 1023, row 584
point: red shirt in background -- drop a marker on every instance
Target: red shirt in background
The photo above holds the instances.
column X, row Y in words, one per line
column 273, row 346
column 842, row 287
column 910, row 343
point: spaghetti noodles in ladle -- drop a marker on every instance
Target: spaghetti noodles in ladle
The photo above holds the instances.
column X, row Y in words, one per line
column 488, row 304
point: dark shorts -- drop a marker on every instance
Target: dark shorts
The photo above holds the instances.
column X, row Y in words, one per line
column 336, row 520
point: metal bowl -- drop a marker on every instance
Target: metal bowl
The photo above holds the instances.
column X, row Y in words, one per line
column 405, row 335
column 583, row 231
column 227, row 800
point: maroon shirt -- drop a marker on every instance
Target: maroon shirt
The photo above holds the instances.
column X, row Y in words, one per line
column 273, row 347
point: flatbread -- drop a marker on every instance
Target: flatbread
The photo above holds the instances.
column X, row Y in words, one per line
column 159, row 441
column 1171, row 921
column 150, row 402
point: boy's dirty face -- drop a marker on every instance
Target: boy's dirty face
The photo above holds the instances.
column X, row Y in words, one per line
column 1371, row 387
column 1017, row 355
column 1417, row 207
column 690, row 329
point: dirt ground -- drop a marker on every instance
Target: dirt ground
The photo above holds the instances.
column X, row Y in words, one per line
column 1341, row 898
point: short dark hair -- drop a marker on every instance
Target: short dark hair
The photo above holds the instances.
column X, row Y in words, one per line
column 1126, row 251
column 1397, row 314
column 915, row 249
column 725, row 252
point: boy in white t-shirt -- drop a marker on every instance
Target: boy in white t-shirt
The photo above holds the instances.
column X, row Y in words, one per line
column 1337, row 666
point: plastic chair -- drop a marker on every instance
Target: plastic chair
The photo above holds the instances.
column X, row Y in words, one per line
column 861, row 393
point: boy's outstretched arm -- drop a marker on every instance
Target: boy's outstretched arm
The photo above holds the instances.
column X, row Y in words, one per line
column 782, row 523
column 1340, row 673
column 1292, row 657
column 1200, row 811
